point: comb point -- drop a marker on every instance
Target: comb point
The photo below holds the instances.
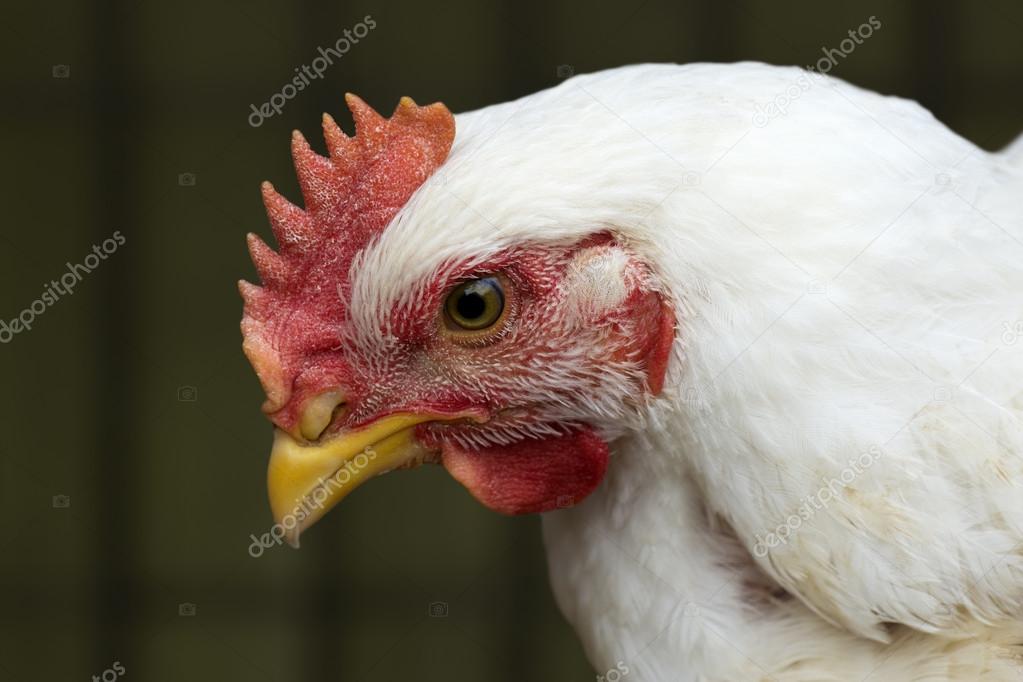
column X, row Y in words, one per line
column 367, row 120
column 288, row 222
column 316, row 175
column 337, row 142
column 271, row 267
column 250, row 292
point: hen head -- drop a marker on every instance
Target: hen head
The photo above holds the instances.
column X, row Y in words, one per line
column 511, row 361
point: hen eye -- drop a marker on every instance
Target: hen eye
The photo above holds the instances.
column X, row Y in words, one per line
column 476, row 305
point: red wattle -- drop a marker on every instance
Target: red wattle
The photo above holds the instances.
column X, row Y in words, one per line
column 532, row 475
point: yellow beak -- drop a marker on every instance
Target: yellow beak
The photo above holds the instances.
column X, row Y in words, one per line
column 305, row 481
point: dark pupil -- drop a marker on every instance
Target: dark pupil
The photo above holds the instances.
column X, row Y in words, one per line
column 471, row 305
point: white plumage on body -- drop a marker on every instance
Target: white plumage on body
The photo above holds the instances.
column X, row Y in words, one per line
column 830, row 486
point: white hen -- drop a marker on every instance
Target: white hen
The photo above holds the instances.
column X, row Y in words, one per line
column 830, row 485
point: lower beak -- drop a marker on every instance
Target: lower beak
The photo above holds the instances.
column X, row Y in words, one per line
column 305, row 481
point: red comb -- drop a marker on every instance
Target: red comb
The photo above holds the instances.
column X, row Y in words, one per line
column 350, row 197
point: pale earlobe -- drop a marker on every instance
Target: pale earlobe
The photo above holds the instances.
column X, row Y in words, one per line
column 598, row 281
column 606, row 282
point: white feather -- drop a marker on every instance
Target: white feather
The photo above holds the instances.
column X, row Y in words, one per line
column 848, row 279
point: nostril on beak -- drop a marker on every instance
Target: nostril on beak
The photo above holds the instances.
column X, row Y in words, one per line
column 319, row 413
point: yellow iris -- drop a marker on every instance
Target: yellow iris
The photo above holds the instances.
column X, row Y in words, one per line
column 475, row 305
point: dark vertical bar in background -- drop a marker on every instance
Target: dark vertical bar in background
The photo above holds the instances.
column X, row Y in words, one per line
column 935, row 47
column 115, row 100
column 321, row 599
column 714, row 36
column 530, row 65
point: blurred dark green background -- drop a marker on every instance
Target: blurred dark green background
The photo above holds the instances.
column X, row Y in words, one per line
column 133, row 452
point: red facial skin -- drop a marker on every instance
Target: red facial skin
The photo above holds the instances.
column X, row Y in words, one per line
column 430, row 370
column 291, row 323
column 524, row 439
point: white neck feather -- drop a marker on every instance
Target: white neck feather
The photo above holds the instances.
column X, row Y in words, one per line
column 656, row 586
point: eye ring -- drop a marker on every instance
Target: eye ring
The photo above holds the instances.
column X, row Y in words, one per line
column 476, row 309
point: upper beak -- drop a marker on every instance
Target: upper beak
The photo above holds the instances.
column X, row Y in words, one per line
column 305, row 481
